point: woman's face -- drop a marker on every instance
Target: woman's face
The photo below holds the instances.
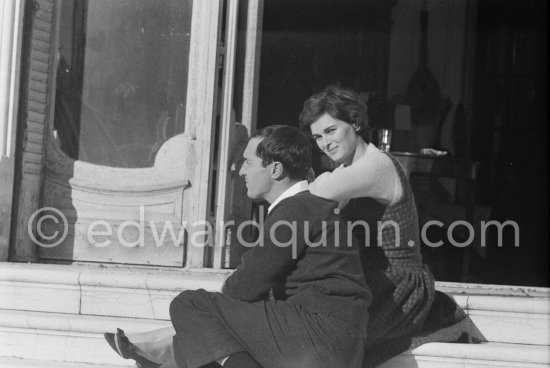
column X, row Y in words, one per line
column 336, row 138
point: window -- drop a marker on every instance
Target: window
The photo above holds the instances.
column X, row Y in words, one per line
column 121, row 78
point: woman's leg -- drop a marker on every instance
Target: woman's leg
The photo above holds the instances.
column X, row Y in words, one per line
column 171, row 363
column 153, row 335
column 155, row 345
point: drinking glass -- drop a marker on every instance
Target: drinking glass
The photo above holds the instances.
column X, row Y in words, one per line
column 384, row 139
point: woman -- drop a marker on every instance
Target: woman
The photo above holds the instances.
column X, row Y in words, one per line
column 375, row 197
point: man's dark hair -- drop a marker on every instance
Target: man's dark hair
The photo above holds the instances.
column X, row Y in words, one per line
column 339, row 102
column 287, row 145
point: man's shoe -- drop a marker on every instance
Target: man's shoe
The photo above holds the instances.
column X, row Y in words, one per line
column 123, row 347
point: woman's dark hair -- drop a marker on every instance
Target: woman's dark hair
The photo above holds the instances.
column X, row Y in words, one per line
column 339, row 102
column 287, row 145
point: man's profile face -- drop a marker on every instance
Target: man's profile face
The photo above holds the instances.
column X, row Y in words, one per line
column 257, row 177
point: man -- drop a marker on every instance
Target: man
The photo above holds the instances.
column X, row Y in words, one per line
column 299, row 297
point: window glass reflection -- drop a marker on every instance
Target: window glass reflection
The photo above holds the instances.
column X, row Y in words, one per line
column 121, row 78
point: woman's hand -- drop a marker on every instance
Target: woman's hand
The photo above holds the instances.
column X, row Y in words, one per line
column 310, row 176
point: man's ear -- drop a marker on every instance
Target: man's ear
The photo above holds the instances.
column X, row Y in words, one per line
column 277, row 170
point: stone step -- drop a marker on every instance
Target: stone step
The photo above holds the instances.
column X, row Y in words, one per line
column 34, row 363
column 487, row 355
column 39, row 339
column 504, row 314
column 446, row 357
column 47, row 336
column 56, row 314
column 110, row 291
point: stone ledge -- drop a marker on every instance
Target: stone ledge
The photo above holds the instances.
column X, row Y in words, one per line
column 64, row 337
column 81, row 289
column 139, row 292
column 70, row 323
column 167, row 278
column 489, row 351
column 35, row 363
column 492, row 289
column 510, row 327
column 78, row 338
column 505, row 314
column 163, row 278
column 472, row 355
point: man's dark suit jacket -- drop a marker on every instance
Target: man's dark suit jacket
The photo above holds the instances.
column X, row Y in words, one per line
column 304, row 254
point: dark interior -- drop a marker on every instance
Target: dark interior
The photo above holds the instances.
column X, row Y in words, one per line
column 309, row 44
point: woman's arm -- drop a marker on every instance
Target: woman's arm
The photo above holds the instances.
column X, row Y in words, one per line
column 374, row 175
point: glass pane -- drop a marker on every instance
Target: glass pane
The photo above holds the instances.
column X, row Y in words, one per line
column 121, row 78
